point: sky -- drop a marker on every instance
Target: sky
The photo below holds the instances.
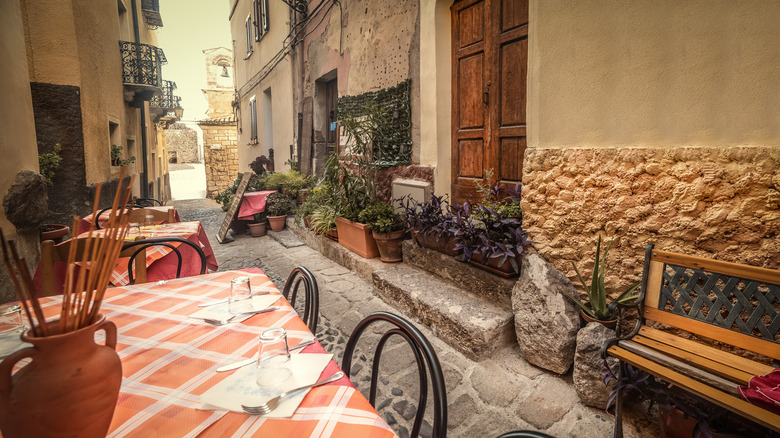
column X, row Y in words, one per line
column 189, row 27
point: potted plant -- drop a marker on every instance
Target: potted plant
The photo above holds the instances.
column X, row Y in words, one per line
column 492, row 242
column 277, row 207
column 323, row 221
column 430, row 223
column 258, row 226
column 55, row 232
column 596, row 308
column 318, row 196
column 387, row 228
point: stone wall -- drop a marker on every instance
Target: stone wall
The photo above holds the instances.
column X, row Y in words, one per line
column 220, row 156
column 182, row 144
column 721, row 203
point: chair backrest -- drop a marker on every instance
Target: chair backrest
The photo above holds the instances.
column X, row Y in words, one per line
column 146, row 202
column 139, row 214
column 423, row 352
column 311, row 307
column 139, row 247
column 52, row 253
column 525, row 434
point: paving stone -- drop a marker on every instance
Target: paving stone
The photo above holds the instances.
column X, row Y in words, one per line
column 286, row 238
column 403, row 432
column 335, row 270
column 551, row 400
column 494, row 386
column 339, row 286
column 459, row 410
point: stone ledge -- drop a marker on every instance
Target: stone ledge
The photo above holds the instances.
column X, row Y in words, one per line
column 474, row 326
column 457, row 273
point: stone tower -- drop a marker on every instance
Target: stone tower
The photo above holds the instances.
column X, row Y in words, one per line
column 220, row 153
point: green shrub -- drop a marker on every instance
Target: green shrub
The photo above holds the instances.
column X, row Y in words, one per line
column 277, row 204
column 381, row 217
column 48, row 162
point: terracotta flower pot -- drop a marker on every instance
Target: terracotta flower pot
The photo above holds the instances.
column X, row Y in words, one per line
column 491, row 265
column 357, row 238
column 332, row 234
column 257, row 229
column 436, row 242
column 612, row 323
column 277, row 222
column 389, row 245
column 54, row 232
column 69, row 389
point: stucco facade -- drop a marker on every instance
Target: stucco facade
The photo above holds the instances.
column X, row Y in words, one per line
column 79, row 99
column 265, row 77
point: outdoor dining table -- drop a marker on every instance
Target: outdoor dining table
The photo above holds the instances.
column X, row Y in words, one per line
column 251, row 203
column 87, row 221
column 161, row 261
column 169, row 360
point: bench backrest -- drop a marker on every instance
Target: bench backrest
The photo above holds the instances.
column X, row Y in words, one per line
column 732, row 303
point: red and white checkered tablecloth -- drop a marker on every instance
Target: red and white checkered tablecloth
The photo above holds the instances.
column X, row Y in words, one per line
column 169, row 360
column 160, row 260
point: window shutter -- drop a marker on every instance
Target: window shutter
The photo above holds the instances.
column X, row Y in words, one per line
column 258, row 14
column 253, row 119
column 265, row 15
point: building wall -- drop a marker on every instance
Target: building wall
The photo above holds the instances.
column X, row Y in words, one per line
column 254, row 76
column 17, row 132
column 647, row 121
column 367, row 49
column 219, row 156
column 182, row 143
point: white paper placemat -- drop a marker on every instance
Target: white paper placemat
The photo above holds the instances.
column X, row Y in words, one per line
column 241, row 389
column 220, row 311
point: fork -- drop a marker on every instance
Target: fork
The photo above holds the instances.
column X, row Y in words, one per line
column 225, row 321
column 270, row 405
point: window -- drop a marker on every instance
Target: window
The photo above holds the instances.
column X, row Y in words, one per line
column 249, row 42
column 260, row 7
column 253, row 120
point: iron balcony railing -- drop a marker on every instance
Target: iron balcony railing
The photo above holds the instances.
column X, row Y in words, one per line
column 167, row 100
column 151, row 10
column 142, row 64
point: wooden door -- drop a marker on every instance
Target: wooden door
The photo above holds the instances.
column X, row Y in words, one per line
column 489, row 65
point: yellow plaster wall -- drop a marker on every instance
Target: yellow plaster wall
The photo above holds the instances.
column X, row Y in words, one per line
column 52, row 53
column 663, row 73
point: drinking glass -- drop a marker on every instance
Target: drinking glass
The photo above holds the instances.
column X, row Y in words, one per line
column 240, row 299
column 133, row 229
column 273, row 361
column 10, row 319
column 149, row 220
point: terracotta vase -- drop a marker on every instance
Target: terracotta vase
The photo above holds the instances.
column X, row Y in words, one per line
column 69, row 389
column 357, row 238
column 612, row 323
column 505, row 269
column 277, row 222
column 675, row 424
column 257, row 229
column 389, row 245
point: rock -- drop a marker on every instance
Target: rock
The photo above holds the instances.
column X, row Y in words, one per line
column 384, row 380
column 386, row 402
column 390, row 418
column 397, row 391
column 589, row 366
column 426, row 430
column 356, row 368
column 405, row 409
column 403, row 432
column 27, row 201
column 546, row 322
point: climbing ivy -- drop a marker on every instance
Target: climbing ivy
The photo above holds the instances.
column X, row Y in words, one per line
column 392, row 145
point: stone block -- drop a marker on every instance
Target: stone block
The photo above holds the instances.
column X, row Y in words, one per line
column 589, row 369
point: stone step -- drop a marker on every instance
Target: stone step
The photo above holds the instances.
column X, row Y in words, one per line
column 463, row 275
column 473, row 325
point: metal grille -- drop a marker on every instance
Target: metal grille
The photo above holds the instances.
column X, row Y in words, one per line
column 142, row 64
column 747, row 306
column 151, row 10
column 167, row 99
column 393, row 145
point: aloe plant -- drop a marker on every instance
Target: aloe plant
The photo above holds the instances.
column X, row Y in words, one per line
column 596, row 305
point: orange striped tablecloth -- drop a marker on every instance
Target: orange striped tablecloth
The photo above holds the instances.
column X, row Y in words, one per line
column 161, row 266
column 87, row 221
column 169, row 360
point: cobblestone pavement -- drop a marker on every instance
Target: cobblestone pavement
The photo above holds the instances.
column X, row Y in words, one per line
column 484, row 398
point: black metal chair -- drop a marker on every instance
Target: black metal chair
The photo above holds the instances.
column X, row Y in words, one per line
column 161, row 241
column 525, row 434
column 311, row 307
column 423, row 352
column 146, row 202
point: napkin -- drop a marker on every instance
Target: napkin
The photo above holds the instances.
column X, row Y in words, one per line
column 241, row 389
column 11, row 342
column 220, row 311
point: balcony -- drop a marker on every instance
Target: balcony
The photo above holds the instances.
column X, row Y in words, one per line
column 151, row 10
column 167, row 100
column 141, row 70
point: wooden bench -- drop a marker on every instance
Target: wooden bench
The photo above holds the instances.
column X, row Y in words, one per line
column 736, row 305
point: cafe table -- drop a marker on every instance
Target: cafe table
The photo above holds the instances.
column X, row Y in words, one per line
column 251, row 203
column 87, row 221
column 161, row 262
column 169, row 360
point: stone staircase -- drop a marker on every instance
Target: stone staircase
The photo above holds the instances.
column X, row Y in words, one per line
column 467, row 307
